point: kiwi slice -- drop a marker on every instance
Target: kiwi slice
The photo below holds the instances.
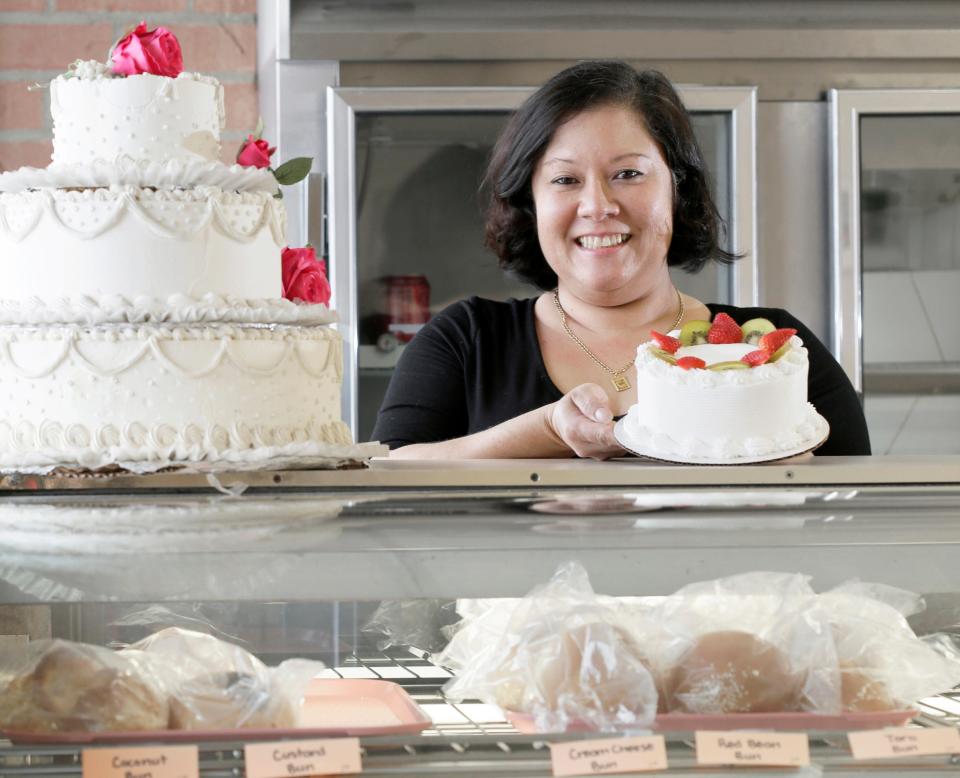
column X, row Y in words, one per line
column 779, row 352
column 666, row 356
column 755, row 329
column 732, row 365
column 694, row 333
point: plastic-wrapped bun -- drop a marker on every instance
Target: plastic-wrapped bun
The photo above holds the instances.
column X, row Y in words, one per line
column 562, row 655
column 218, row 685
column 226, row 701
column 733, row 672
column 60, row 686
column 592, row 670
column 862, row 690
column 746, row 643
column 883, row 664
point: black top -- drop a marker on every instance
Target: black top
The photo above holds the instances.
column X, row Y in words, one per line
column 478, row 363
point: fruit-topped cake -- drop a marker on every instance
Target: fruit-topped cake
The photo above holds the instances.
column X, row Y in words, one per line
column 721, row 391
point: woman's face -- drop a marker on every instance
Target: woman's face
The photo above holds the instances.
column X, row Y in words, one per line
column 604, row 203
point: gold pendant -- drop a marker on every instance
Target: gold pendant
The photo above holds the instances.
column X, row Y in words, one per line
column 620, row 382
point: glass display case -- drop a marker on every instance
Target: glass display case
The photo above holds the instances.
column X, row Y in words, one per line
column 405, row 214
column 297, row 563
column 895, row 166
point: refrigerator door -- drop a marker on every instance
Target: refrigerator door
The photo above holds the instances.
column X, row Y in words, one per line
column 405, row 219
column 895, row 170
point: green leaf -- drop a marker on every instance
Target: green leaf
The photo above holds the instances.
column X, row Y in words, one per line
column 258, row 133
column 293, row 170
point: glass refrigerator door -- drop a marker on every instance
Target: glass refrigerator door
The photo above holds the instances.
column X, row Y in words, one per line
column 405, row 218
column 896, row 244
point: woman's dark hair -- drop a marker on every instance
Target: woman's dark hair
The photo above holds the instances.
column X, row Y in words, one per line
column 511, row 223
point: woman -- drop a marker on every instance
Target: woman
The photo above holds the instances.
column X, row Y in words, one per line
column 597, row 187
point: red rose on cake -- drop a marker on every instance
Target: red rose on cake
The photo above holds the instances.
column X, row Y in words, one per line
column 255, row 152
column 304, row 277
column 156, row 52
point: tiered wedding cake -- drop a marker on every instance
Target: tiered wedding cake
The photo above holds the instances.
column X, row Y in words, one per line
column 142, row 317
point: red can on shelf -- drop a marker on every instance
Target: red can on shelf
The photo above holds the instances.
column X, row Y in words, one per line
column 408, row 305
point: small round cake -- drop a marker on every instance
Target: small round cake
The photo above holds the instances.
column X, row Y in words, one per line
column 700, row 400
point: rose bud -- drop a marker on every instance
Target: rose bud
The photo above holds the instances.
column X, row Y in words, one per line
column 255, row 152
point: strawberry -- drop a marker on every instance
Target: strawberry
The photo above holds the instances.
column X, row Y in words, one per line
column 755, row 358
column 668, row 344
column 689, row 363
column 724, row 330
column 774, row 340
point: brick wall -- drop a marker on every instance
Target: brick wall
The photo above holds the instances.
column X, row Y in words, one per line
column 40, row 38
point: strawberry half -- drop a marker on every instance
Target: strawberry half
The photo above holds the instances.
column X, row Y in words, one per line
column 755, row 358
column 724, row 330
column 668, row 344
column 774, row 340
column 691, row 363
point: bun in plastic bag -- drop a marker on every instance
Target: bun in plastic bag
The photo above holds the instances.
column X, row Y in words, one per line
column 60, row 686
column 733, row 672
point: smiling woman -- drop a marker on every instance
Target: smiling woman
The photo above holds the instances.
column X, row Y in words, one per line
column 604, row 208
column 596, row 187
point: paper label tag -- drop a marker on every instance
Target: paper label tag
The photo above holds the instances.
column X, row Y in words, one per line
column 607, row 756
column 335, row 756
column 141, row 762
column 904, row 741
column 779, row 749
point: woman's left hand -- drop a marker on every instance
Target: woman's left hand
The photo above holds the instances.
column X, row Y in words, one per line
column 583, row 421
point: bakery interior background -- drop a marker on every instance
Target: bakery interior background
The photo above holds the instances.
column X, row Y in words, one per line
column 276, row 59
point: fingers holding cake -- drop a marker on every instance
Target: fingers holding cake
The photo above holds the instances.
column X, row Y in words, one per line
column 583, row 420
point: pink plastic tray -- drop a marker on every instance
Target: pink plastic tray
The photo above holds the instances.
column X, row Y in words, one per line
column 359, row 707
column 332, row 707
column 690, row 722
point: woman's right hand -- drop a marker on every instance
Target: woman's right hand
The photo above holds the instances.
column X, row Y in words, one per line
column 583, row 421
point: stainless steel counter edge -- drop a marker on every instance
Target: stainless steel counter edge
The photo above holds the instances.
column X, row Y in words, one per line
column 405, row 474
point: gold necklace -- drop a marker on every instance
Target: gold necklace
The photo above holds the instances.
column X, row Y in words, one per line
column 620, row 382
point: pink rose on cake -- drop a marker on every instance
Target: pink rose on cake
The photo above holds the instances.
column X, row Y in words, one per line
column 255, row 152
column 148, row 51
column 304, row 277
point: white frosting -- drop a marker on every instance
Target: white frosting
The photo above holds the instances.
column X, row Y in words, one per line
column 141, row 319
column 132, row 242
column 711, row 353
column 722, row 414
column 129, row 393
column 122, row 170
column 175, row 309
column 145, row 117
column 89, row 69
